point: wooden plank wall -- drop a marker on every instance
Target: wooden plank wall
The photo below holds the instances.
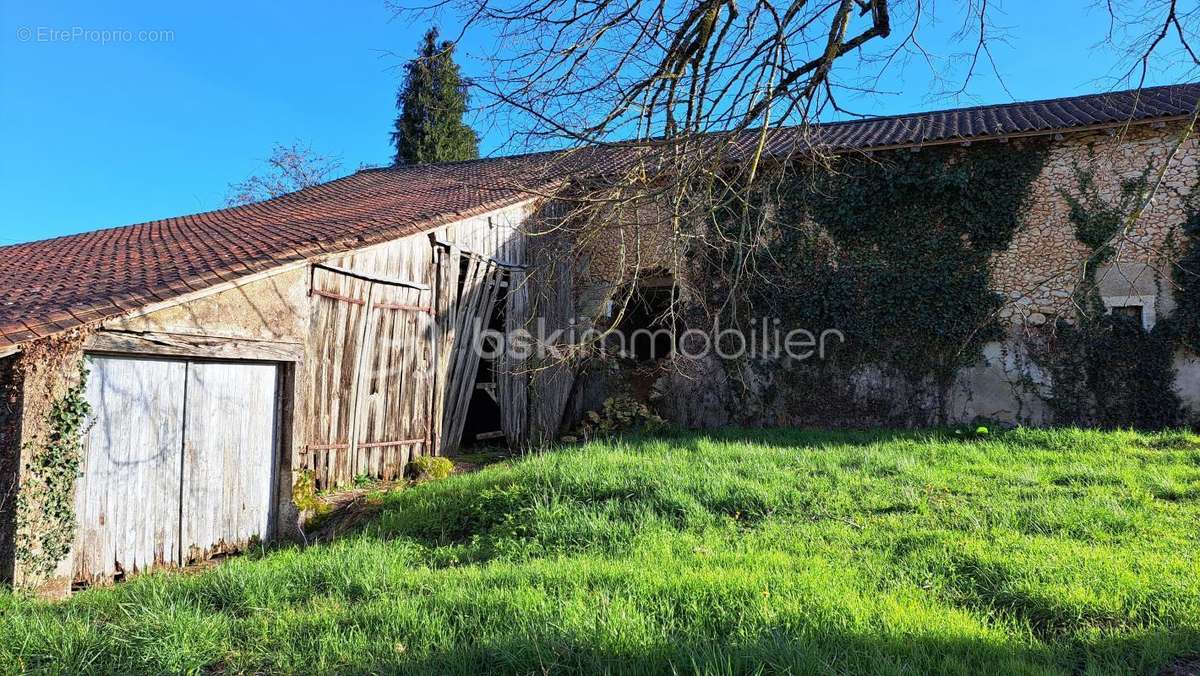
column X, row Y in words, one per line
column 375, row 351
column 340, row 305
column 396, row 394
column 477, row 298
column 390, row 371
column 229, row 456
column 503, row 238
column 178, row 465
column 127, row 500
column 446, row 294
column 513, row 373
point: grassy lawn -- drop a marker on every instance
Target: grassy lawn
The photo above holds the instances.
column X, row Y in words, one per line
column 1025, row 552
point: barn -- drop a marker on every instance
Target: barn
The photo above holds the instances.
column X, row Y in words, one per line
column 207, row 362
column 328, row 332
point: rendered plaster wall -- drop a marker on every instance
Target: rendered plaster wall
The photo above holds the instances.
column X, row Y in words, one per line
column 275, row 308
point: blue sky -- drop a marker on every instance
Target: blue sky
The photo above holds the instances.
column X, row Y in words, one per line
column 95, row 135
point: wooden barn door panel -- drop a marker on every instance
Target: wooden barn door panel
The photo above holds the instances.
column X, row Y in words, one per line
column 127, row 499
column 339, row 321
column 230, row 446
column 513, row 374
column 395, row 391
column 480, row 285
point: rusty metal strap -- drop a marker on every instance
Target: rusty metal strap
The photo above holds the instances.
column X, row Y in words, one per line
column 402, row 442
column 400, row 306
column 337, row 296
column 373, row 278
column 326, row 447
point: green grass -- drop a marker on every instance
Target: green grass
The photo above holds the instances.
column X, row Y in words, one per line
column 904, row 553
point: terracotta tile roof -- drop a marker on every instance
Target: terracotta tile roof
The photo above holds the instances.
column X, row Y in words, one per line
column 1050, row 115
column 54, row 285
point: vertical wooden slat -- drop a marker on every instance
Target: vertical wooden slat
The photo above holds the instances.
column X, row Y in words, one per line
column 513, row 376
column 445, row 307
column 481, row 286
column 433, row 369
column 392, row 397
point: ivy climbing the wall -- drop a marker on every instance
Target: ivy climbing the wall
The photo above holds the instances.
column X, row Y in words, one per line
column 1183, row 326
column 45, row 506
column 895, row 250
column 1107, row 370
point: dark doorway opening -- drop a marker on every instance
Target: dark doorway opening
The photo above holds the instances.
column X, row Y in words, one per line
column 483, row 425
column 647, row 327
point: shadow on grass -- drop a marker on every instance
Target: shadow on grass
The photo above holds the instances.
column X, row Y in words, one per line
column 785, row 437
column 780, row 652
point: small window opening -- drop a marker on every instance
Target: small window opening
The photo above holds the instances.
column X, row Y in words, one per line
column 1131, row 312
column 647, row 329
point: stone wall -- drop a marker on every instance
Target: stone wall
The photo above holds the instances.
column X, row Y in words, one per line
column 1040, row 270
column 46, row 371
column 1037, row 275
column 630, row 243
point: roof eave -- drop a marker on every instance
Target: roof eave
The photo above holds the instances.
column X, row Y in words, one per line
column 959, row 140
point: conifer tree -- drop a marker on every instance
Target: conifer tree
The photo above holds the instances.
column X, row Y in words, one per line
column 431, row 105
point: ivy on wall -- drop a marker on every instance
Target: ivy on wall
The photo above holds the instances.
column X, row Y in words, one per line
column 1107, row 370
column 1183, row 326
column 45, row 505
column 1096, row 219
column 895, row 251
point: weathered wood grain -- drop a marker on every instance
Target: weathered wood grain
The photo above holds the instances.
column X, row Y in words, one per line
column 230, row 446
column 127, row 499
column 179, row 462
column 386, row 356
column 480, row 287
column 512, row 372
column 337, row 333
column 200, row 347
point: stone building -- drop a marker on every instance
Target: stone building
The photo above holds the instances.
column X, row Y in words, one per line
column 1038, row 273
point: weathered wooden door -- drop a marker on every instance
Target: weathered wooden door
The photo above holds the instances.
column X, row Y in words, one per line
column 479, row 285
column 127, row 501
column 228, row 460
column 178, row 462
column 374, row 366
column 340, row 306
column 394, row 408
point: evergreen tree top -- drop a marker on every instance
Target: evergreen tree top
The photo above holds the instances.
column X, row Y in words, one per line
column 431, row 104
